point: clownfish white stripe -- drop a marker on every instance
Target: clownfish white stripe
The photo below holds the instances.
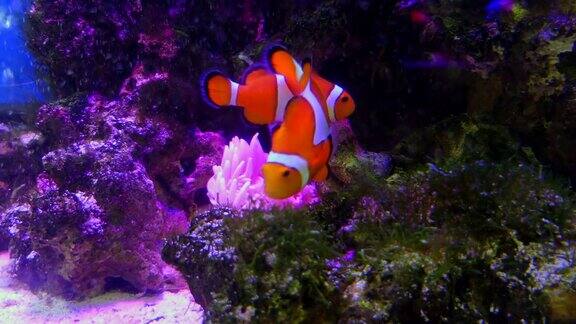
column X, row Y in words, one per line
column 234, row 93
column 322, row 129
column 284, row 95
column 291, row 161
column 331, row 101
column 299, row 71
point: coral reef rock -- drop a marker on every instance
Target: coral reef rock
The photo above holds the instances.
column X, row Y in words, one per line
column 112, row 187
column 425, row 244
column 20, row 163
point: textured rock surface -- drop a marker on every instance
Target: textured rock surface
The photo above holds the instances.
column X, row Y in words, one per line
column 490, row 241
column 19, row 164
column 111, row 188
column 19, row 304
column 202, row 256
column 85, row 46
column 115, row 178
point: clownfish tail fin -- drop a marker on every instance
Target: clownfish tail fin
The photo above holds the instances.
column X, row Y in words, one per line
column 218, row 90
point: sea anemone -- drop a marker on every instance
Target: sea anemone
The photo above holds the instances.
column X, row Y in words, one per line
column 238, row 183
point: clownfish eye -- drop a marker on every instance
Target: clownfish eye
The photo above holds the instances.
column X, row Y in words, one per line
column 345, row 99
column 286, row 173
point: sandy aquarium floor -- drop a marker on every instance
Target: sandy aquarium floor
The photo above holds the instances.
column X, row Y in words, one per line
column 18, row 305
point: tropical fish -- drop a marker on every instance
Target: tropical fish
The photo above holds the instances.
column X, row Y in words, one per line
column 336, row 101
column 294, row 160
column 261, row 94
column 301, row 103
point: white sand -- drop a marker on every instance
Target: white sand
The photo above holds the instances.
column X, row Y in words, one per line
column 19, row 305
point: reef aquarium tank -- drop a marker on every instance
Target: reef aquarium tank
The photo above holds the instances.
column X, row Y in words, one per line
column 300, row 161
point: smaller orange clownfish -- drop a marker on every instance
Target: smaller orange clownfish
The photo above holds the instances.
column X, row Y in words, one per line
column 337, row 102
column 262, row 95
column 294, row 160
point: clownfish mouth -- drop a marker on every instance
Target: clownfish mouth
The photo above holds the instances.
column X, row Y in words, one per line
column 280, row 182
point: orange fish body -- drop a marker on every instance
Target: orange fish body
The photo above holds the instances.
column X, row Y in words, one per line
column 263, row 96
column 294, row 160
column 337, row 102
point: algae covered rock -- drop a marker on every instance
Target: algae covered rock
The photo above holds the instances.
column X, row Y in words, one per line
column 462, row 245
column 20, row 163
column 258, row 266
column 83, row 45
column 476, row 242
column 203, row 256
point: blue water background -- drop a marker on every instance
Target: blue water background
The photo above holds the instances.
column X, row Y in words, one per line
column 18, row 82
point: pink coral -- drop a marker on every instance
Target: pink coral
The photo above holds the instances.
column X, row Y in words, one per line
column 238, row 183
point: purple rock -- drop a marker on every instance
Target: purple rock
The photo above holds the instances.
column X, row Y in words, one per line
column 118, row 177
column 84, row 45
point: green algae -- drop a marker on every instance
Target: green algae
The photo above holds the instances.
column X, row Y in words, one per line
column 474, row 242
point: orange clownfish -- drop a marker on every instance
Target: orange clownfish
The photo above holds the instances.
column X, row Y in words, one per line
column 337, row 102
column 302, row 145
column 262, row 95
column 294, row 160
column 303, row 102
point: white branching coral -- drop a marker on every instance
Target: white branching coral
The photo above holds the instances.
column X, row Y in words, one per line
column 238, row 183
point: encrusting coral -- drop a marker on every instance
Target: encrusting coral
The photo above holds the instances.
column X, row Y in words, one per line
column 110, row 188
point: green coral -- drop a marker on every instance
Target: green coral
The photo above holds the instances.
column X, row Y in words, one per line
column 280, row 270
column 263, row 266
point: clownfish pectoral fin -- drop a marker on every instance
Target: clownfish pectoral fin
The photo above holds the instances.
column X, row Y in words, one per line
column 282, row 62
column 322, row 174
column 218, row 90
column 254, row 72
column 323, row 85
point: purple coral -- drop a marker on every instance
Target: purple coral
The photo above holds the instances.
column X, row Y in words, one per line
column 238, row 182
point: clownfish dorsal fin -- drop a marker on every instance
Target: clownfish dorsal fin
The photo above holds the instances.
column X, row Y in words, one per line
column 282, row 62
column 254, row 72
column 306, row 73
